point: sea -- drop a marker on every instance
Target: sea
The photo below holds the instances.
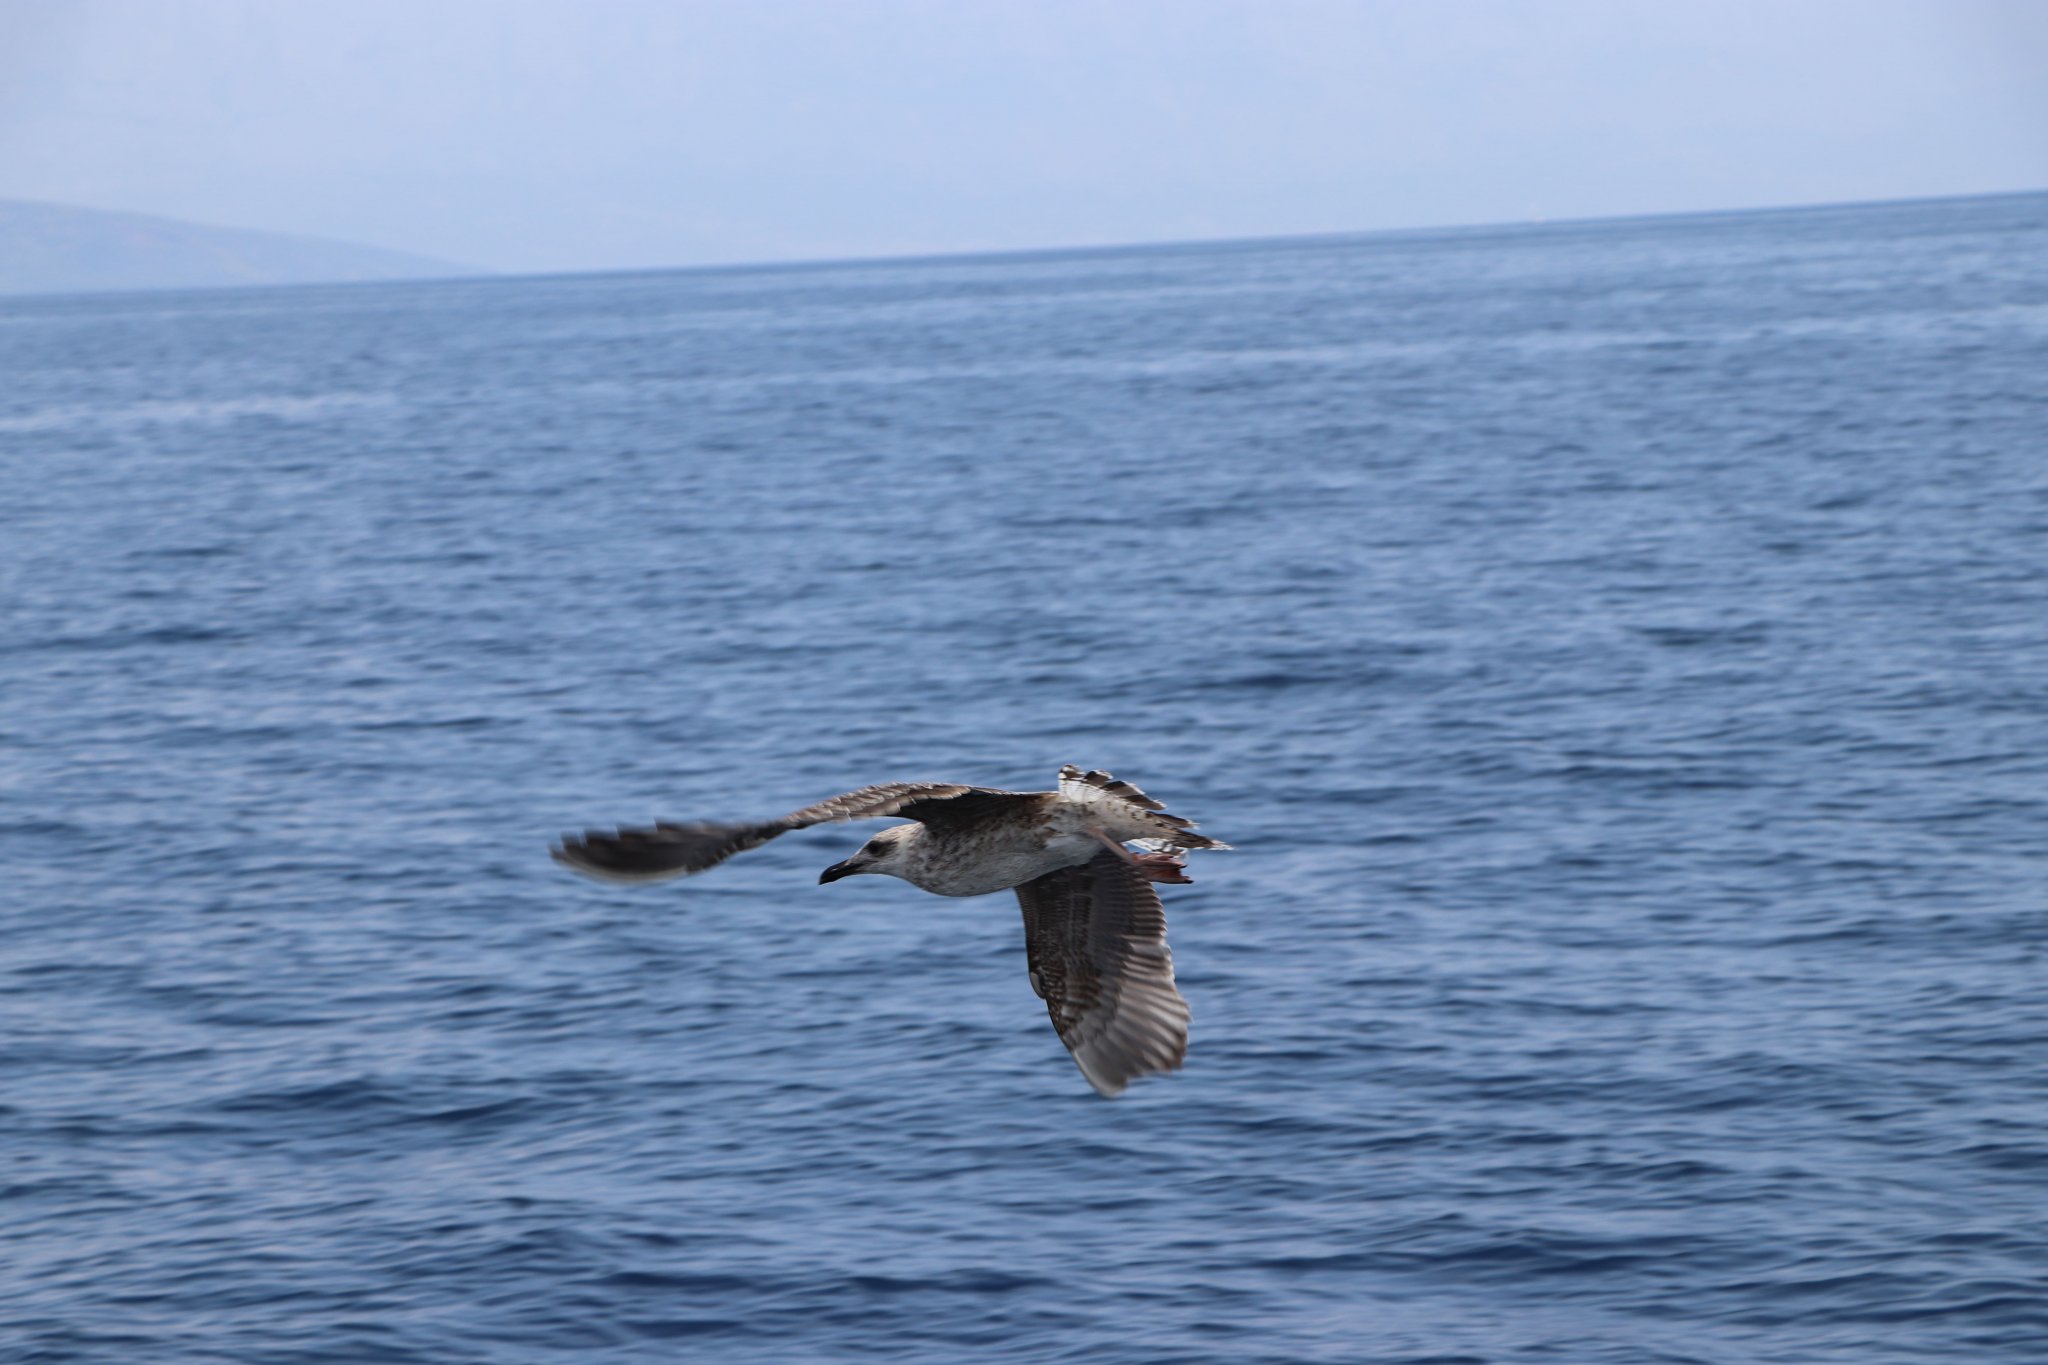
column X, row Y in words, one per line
column 1617, row 651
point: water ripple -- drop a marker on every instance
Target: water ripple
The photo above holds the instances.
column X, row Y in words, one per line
column 1616, row 651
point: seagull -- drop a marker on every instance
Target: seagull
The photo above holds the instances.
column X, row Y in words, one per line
column 1094, row 932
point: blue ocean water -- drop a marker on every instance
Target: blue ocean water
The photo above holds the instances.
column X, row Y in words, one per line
column 1618, row 651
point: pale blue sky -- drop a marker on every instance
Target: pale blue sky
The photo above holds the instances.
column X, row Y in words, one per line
column 540, row 135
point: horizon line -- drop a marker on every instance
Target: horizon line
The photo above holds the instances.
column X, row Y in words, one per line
column 1267, row 239
column 484, row 275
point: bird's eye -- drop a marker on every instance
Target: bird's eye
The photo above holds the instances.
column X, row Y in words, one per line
column 876, row 848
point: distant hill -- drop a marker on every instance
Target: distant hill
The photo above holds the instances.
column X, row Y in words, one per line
column 52, row 248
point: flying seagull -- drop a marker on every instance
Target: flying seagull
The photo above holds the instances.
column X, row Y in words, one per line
column 1094, row 932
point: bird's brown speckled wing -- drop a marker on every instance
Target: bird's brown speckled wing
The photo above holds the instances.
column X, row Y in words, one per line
column 677, row 849
column 1095, row 936
column 663, row 850
column 929, row 803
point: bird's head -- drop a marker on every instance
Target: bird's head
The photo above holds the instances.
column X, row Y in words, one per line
column 884, row 853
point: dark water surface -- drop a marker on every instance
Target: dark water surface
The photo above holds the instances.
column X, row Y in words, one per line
column 1619, row 653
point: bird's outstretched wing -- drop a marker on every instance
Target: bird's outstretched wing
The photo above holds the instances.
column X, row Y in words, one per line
column 1095, row 937
column 679, row 849
column 928, row 803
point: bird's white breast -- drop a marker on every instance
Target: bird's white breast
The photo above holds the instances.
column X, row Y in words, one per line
column 993, row 859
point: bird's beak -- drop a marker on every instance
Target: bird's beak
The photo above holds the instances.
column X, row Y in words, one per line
column 836, row 871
